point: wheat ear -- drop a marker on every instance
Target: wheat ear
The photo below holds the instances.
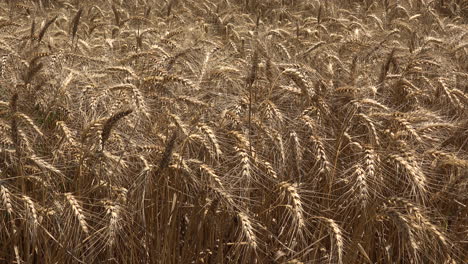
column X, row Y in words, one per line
column 106, row 130
column 78, row 212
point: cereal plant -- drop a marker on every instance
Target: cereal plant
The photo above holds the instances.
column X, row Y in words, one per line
column 234, row 131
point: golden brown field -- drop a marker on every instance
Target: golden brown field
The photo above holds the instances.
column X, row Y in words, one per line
column 234, row 131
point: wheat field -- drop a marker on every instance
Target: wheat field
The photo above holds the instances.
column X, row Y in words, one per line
column 234, row 131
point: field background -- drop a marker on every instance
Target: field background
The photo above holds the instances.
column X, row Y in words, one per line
column 234, row 131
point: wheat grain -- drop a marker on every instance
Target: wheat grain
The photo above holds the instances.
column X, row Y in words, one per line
column 32, row 213
column 370, row 160
column 44, row 28
column 338, row 236
column 45, row 165
column 290, row 191
column 109, row 124
column 298, row 79
column 6, row 198
column 248, row 230
column 361, row 185
column 67, row 133
column 406, row 126
column 245, row 161
column 212, row 137
column 417, row 176
column 297, row 149
column 371, row 128
column 29, row 121
column 320, row 155
column 78, row 212
column 113, row 211
column 421, row 218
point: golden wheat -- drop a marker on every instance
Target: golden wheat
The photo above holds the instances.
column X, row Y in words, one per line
column 215, row 131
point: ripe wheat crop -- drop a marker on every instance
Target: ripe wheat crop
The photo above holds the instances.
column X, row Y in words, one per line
column 234, row 131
